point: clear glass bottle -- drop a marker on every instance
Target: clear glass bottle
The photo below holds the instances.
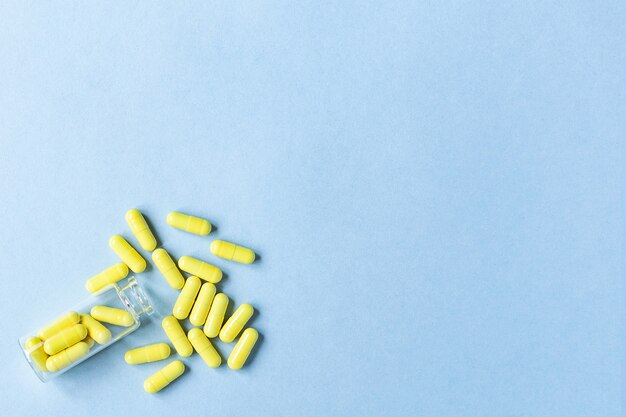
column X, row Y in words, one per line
column 132, row 298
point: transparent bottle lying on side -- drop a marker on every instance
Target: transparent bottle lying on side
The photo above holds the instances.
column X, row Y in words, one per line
column 68, row 339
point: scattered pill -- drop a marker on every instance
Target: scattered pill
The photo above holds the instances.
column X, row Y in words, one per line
column 149, row 353
column 168, row 268
column 112, row 316
column 34, row 347
column 163, row 377
column 140, row 229
column 202, row 305
column 110, row 275
column 200, row 269
column 216, row 315
column 232, row 252
column 204, row 347
column 185, row 299
column 241, row 351
column 189, row 223
column 127, row 254
column 59, row 324
column 177, row 336
column 235, row 323
column 97, row 331
column 64, row 339
column 67, row 357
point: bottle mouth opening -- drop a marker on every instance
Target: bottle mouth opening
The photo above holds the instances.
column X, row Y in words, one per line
column 138, row 301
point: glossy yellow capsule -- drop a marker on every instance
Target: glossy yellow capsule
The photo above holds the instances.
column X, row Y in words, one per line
column 64, row 339
column 185, row 299
column 140, row 229
column 97, row 331
column 149, row 353
column 189, row 223
column 168, row 268
column 202, row 305
column 59, row 324
column 200, row 269
column 110, row 275
column 90, row 342
column 164, row 377
column 177, row 336
column 127, row 254
column 205, row 349
column 34, row 347
column 235, row 323
column 216, row 315
column 242, row 349
column 232, row 252
column 112, row 316
column 67, row 357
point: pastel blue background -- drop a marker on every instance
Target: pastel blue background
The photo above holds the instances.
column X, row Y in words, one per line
column 435, row 190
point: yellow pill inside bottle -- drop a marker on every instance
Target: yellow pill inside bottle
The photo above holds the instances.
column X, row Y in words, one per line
column 177, row 336
column 232, row 252
column 242, row 349
column 97, row 331
column 67, row 357
column 66, row 320
column 216, row 315
column 146, row 354
column 200, row 269
column 127, row 254
column 64, row 339
column 112, row 315
column 185, row 299
column 140, row 229
column 163, row 377
column 202, row 305
column 89, row 341
column 34, row 347
column 168, row 268
column 110, row 275
column 204, row 347
column 236, row 322
column 188, row 223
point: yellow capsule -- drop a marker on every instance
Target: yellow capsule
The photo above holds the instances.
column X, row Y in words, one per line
column 34, row 347
column 64, row 339
column 200, row 269
column 90, row 342
column 235, row 323
column 185, row 299
column 189, row 223
column 112, row 316
column 168, row 268
column 232, row 252
column 203, row 303
column 242, row 349
column 59, row 324
column 97, row 331
column 164, row 377
column 149, row 353
column 67, row 357
column 127, row 254
column 108, row 276
column 216, row 315
column 140, row 229
column 205, row 349
column 177, row 336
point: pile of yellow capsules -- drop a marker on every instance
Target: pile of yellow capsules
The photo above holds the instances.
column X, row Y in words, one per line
column 197, row 301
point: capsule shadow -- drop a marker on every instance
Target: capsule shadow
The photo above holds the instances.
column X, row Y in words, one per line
column 254, row 351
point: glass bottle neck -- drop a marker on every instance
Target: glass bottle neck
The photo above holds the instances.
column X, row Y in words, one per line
column 135, row 298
